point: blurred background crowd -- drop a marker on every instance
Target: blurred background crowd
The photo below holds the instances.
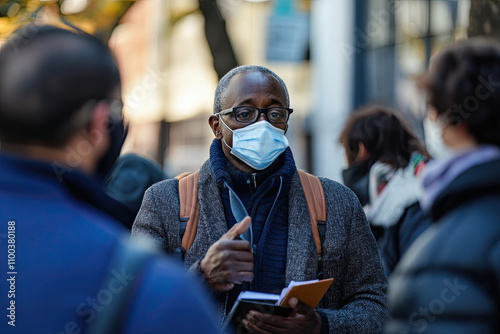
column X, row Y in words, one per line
column 335, row 56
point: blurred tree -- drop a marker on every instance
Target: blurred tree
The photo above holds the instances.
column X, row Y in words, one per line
column 98, row 17
column 106, row 15
column 217, row 38
column 484, row 18
column 101, row 17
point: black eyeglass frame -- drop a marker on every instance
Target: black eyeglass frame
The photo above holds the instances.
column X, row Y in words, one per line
column 260, row 111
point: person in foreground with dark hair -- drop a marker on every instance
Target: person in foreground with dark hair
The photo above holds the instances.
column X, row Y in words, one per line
column 449, row 280
column 69, row 266
column 384, row 158
column 250, row 160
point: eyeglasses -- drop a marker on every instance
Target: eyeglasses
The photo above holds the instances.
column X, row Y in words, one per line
column 247, row 114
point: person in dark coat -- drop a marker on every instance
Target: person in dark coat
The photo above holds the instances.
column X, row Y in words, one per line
column 130, row 177
column 68, row 264
column 449, row 280
column 384, row 159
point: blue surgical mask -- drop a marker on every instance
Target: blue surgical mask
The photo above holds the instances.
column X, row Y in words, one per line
column 258, row 144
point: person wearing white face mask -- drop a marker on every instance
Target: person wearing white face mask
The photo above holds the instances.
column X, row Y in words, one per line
column 250, row 160
column 385, row 160
column 434, row 140
column 449, row 281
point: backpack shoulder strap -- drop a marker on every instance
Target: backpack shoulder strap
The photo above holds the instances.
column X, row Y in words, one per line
column 189, row 208
column 133, row 259
column 316, row 204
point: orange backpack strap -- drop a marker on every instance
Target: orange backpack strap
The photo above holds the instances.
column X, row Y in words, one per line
column 316, row 204
column 189, row 208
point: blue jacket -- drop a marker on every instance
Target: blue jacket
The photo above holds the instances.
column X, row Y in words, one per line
column 449, row 280
column 394, row 241
column 62, row 271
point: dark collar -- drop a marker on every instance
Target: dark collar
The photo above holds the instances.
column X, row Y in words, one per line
column 480, row 180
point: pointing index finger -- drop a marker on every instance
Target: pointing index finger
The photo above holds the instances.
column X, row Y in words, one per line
column 237, row 229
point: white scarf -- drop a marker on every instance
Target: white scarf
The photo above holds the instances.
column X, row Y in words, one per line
column 402, row 190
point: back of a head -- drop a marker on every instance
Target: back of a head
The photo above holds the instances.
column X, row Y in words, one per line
column 48, row 76
column 386, row 137
column 462, row 85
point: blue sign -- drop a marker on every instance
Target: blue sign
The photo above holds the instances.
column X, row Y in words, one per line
column 288, row 37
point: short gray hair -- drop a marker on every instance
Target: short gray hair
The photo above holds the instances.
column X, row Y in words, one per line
column 220, row 92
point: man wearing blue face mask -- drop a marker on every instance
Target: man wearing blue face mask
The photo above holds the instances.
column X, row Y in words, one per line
column 251, row 170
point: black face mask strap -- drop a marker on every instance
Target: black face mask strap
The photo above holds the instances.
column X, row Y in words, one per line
column 117, row 132
column 356, row 177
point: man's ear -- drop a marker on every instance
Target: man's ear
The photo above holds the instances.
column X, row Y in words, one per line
column 363, row 153
column 98, row 126
column 214, row 122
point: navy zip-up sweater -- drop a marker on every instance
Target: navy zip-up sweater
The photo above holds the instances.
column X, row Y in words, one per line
column 264, row 195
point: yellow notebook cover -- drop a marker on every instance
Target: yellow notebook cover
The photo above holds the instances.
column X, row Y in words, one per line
column 309, row 292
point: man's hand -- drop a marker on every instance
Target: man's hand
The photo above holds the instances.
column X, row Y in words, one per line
column 229, row 261
column 304, row 321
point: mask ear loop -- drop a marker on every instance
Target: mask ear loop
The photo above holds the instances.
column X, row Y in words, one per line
column 220, row 118
column 223, row 140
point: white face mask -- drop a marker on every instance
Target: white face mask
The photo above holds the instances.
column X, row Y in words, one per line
column 433, row 135
column 258, row 144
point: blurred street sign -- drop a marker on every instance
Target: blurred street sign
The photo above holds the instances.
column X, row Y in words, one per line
column 288, row 37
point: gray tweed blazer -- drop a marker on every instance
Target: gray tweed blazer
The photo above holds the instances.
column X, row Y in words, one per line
column 356, row 301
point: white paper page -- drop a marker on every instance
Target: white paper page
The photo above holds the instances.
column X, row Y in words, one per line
column 292, row 284
column 258, row 295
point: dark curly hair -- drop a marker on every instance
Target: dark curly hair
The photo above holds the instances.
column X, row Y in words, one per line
column 385, row 135
column 463, row 86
